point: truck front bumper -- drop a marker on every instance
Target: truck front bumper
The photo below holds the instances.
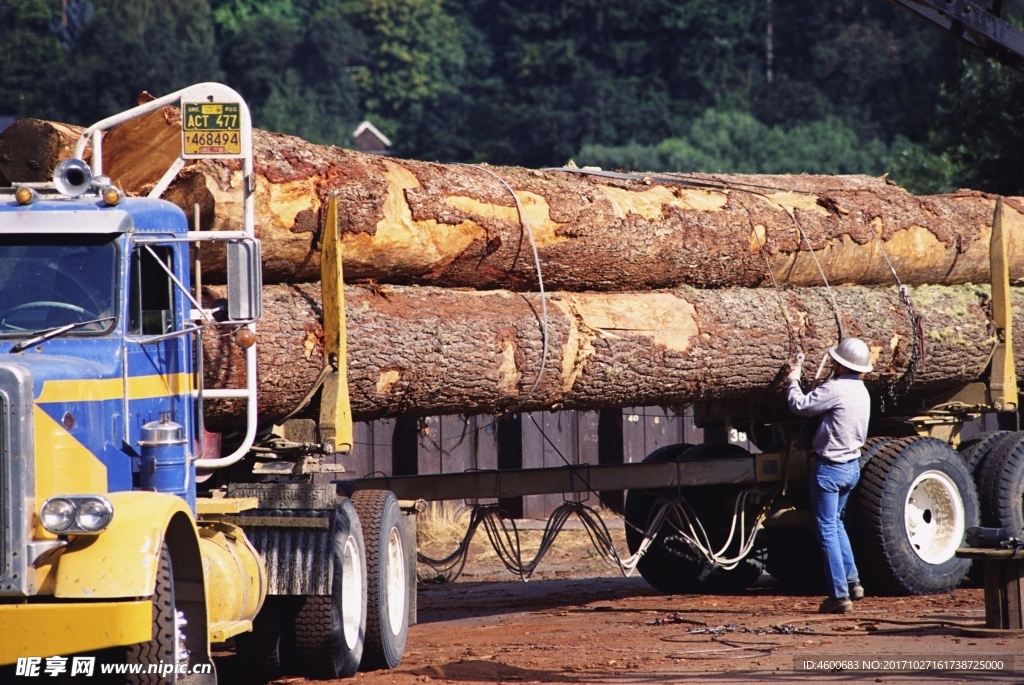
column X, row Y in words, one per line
column 64, row 628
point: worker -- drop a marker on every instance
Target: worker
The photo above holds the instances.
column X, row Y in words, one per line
column 845, row 407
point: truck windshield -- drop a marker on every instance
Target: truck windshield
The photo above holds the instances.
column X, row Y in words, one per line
column 55, row 280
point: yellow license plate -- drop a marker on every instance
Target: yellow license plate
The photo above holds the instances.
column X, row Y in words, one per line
column 211, row 129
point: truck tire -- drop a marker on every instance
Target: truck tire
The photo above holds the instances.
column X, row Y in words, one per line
column 263, row 653
column 387, row 579
column 314, row 644
column 909, row 514
column 347, row 624
column 671, row 566
column 167, row 645
column 1001, row 486
column 794, row 555
column 975, row 450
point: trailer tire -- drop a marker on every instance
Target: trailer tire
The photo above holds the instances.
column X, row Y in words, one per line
column 978, row 448
column 165, row 647
column 679, row 571
column 387, row 580
column 1002, row 486
column 909, row 513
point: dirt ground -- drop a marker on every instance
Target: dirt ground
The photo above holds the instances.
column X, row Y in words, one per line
column 579, row 621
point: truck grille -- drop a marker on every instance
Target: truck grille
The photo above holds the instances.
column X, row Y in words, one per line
column 6, row 501
column 17, row 480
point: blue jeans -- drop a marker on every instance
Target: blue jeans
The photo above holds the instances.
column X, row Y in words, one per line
column 831, row 485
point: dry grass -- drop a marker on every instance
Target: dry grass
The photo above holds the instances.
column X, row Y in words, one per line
column 442, row 524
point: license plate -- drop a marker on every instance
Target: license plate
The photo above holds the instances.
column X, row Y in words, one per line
column 211, row 129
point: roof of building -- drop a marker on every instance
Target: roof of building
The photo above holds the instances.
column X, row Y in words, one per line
column 366, row 126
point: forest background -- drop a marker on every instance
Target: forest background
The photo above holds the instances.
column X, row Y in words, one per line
column 772, row 86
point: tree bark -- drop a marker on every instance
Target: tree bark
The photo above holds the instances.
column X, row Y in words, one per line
column 135, row 154
column 454, row 225
column 31, row 148
column 406, row 222
column 425, row 351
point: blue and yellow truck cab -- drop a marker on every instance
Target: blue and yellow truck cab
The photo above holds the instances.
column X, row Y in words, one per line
column 105, row 547
column 101, row 430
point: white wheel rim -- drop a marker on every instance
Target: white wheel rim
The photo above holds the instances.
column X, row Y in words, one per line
column 934, row 517
column 396, row 582
column 351, row 593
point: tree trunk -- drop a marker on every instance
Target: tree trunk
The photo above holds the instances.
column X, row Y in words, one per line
column 135, row 154
column 426, row 351
column 410, row 222
column 30, row 148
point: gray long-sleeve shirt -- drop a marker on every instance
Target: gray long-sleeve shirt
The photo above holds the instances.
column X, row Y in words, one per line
column 847, row 408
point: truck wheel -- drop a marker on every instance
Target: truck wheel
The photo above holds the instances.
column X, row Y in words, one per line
column 348, row 590
column 671, row 566
column 262, row 653
column 168, row 643
column 908, row 516
column 1002, row 486
column 387, row 606
column 977, row 449
column 314, row 645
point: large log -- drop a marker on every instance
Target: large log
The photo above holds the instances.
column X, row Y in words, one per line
column 30, row 148
column 455, row 225
column 135, row 155
column 423, row 351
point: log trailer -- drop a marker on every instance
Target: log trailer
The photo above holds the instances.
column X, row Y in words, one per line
column 126, row 533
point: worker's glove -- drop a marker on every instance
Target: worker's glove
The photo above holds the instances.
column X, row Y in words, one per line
column 796, row 368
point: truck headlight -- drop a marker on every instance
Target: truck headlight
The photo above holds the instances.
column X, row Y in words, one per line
column 94, row 514
column 58, row 514
column 76, row 514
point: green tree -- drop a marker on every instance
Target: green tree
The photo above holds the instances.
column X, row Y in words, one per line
column 32, row 57
column 982, row 128
column 297, row 81
column 127, row 47
column 414, row 58
column 736, row 142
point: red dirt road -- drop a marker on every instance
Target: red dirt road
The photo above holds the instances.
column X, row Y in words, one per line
column 579, row 621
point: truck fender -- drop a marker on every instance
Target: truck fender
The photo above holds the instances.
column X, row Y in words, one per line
column 122, row 561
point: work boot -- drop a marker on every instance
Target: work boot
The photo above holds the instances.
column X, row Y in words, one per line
column 856, row 592
column 836, row 605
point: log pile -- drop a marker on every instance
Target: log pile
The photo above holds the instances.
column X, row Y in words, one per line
column 656, row 284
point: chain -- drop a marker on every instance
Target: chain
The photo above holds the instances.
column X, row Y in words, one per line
column 898, row 387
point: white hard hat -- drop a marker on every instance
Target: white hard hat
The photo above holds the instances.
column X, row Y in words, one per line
column 853, row 354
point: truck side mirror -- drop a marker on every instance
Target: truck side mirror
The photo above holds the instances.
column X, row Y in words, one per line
column 245, row 281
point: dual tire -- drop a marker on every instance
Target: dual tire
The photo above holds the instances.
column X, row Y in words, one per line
column 909, row 514
column 362, row 624
column 1000, row 478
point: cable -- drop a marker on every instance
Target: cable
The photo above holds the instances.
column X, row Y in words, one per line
column 722, row 185
column 794, row 341
column 828, row 288
column 540, row 282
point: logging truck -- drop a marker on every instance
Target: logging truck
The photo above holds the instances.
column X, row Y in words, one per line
column 108, row 559
column 133, row 537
